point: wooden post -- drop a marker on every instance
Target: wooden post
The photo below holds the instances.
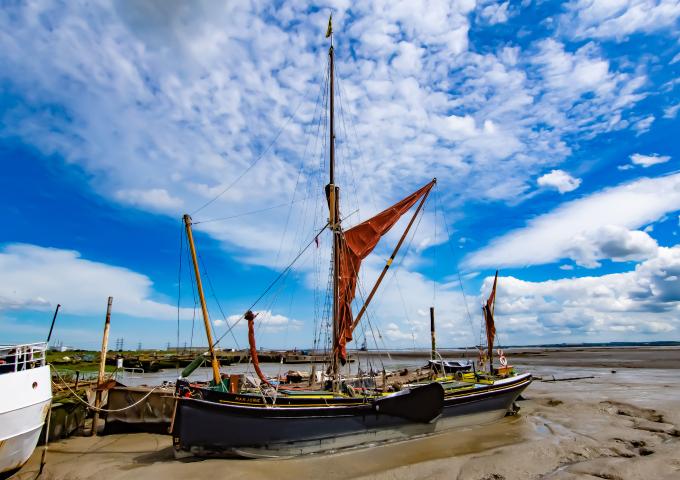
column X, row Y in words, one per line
column 434, row 343
column 54, row 319
column 102, row 365
column 312, row 375
column 43, row 457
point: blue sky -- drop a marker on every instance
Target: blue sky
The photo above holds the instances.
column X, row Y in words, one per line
column 551, row 127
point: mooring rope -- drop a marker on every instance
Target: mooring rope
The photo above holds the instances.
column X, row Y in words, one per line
column 102, row 409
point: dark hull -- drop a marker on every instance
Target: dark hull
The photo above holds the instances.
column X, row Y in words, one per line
column 223, row 424
column 483, row 404
column 218, row 426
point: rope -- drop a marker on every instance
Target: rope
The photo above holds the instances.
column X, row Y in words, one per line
column 179, row 281
column 460, row 280
column 284, row 272
column 237, row 179
column 251, row 212
column 212, row 290
column 102, row 409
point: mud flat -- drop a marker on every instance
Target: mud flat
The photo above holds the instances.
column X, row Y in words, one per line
column 623, row 425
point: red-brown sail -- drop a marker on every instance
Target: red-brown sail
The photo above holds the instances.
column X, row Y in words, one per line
column 355, row 245
column 488, row 317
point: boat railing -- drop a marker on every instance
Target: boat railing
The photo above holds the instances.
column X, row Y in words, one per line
column 15, row 358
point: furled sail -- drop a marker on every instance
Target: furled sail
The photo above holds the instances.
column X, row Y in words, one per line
column 488, row 309
column 250, row 317
column 355, row 245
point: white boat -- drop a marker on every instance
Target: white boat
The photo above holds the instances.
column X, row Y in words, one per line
column 25, row 396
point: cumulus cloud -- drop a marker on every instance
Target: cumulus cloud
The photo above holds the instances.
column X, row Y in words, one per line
column 575, row 229
column 154, row 199
column 495, row 13
column 394, row 333
column 618, row 19
column 648, row 160
column 265, row 322
column 559, row 180
column 165, row 108
column 37, row 278
column 612, row 242
column 645, row 300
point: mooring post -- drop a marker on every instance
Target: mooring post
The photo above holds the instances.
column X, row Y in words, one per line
column 54, row 319
column 102, row 365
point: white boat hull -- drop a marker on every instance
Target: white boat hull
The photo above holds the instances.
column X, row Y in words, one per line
column 25, row 398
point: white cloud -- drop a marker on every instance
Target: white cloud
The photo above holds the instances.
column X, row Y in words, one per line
column 648, row 160
column 566, row 267
column 164, row 108
column 671, row 111
column 559, row 180
column 611, row 242
column 619, row 18
column 638, row 301
column 265, row 322
column 37, row 278
column 495, row 13
column 154, row 199
column 394, row 333
column 643, row 125
column 575, row 229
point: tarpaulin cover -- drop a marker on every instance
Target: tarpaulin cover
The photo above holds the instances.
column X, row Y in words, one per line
column 355, row 245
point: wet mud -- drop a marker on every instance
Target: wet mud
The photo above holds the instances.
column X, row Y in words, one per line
column 623, row 425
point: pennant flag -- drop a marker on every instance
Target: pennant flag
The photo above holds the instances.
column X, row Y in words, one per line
column 329, row 30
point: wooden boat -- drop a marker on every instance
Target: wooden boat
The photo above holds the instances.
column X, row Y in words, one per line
column 209, row 422
column 225, row 417
column 25, row 396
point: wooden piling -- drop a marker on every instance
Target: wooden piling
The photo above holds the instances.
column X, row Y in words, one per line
column 102, row 365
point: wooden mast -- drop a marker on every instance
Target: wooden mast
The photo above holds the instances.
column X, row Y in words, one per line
column 199, row 286
column 332, row 191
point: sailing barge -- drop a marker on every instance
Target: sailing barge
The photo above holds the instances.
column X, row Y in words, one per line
column 225, row 418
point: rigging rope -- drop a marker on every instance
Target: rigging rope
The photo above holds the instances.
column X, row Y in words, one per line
column 237, row 179
column 252, row 212
column 179, row 280
column 212, row 290
column 290, row 265
column 460, row 281
column 103, row 409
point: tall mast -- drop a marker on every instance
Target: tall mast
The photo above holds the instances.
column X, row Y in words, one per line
column 333, row 201
column 199, row 286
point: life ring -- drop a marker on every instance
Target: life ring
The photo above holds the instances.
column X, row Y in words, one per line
column 503, row 360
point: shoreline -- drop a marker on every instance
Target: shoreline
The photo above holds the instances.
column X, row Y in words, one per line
column 661, row 357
